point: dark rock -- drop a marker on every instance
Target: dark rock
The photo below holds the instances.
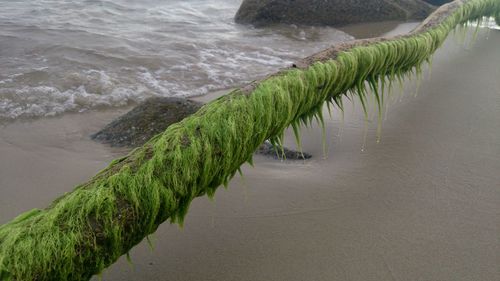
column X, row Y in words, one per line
column 329, row 12
column 145, row 121
column 153, row 116
column 437, row 2
column 270, row 150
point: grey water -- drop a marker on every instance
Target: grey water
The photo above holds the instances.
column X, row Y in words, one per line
column 61, row 56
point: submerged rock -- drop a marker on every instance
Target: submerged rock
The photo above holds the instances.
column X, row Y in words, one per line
column 268, row 149
column 146, row 120
column 154, row 115
column 329, row 12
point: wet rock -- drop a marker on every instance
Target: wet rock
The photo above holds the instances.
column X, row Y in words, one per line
column 145, row 121
column 329, row 12
column 153, row 116
column 268, row 149
column 437, row 2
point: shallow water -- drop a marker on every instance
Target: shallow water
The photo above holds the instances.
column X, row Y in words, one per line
column 75, row 55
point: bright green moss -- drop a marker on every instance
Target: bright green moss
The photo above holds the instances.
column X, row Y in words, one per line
column 88, row 229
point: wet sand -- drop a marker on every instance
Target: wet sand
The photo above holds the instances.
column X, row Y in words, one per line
column 423, row 204
column 42, row 159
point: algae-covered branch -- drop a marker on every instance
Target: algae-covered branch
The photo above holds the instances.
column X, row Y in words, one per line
column 88, row 229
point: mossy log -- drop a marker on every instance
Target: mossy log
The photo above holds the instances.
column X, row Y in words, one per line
column 88, row 229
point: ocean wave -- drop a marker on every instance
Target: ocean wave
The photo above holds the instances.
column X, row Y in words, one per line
column 72, row 56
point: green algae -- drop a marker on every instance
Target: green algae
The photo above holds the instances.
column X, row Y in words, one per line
column 87, row 230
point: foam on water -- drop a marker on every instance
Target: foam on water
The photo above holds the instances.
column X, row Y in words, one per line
column 59, row 56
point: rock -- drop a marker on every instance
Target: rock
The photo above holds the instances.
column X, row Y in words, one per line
column 268, row 149
column 437, row 2
column 153, row 116
column 145, row 121
column 329, row 12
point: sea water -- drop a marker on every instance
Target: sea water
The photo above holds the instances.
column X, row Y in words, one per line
column 60, row 56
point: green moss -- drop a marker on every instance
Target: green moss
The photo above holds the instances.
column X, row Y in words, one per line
column 88, row 229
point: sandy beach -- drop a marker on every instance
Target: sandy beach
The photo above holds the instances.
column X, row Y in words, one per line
column 421, row 204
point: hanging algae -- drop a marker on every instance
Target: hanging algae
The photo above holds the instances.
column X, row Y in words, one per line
column 87, row 230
